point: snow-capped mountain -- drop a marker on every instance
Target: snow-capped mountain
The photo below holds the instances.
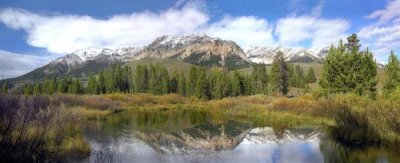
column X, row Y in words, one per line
column 119, row 54
column 266, row 55
column 199, row 49
column 81, row 62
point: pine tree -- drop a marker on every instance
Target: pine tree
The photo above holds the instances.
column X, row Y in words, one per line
column 259, row 79
column 102, row 83
column 53, row 85
column 279, row 75
column 126, row 79
column 28, row 89
column 347, row 69
column 37, row 88
column 78, row 85
column 220, row 86
column 154, row 80
column 247, row 85
column 392, row 71
column 311, row 75
column 61, row 86
column 141, row 79
column 238, row 87
column 118, row 78
column 192, row 82
column 173, row 83
column 333, row 68
column 93, row 86
column 291, row 75
column 110, row 82
column 164, row 80
column 299, row 77
column 367, row 78
column 46, row 86
column 182, row 84
column 202, row 89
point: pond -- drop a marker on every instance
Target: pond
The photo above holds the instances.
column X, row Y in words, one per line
column 189, row 135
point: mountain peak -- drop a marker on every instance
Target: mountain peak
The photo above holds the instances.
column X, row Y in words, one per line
column 92, row 53
column 87, row 53
column 178, row 40
column 199, row 49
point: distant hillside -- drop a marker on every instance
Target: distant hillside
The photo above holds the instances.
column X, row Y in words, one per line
column 170, row 64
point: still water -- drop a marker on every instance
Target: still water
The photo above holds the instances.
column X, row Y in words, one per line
column 186, row 135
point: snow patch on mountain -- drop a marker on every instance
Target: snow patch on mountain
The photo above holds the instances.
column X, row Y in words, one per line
column 263, row 54
column 118, row 54
column 176, row 40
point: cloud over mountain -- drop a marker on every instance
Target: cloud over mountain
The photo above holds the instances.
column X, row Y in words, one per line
column 65, row 33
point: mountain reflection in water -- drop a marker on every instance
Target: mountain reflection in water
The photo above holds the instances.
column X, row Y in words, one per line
column 198, row 136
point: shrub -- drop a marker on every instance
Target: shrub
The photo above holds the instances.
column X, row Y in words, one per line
column 32, row 129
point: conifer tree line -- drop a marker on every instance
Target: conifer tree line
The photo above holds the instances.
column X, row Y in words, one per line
column 202, row 82
column 346, row 69
column 50, row 86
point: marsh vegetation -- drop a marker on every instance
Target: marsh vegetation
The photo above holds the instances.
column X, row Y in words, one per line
column 51, row 128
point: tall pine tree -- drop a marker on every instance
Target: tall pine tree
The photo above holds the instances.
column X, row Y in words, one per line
column 347, row 69
column 182, row 84
column 202, row 89
column 392, row 72
column 311, row 75
column 279, row 75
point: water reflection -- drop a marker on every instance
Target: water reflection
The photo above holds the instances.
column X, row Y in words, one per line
column 199, row 136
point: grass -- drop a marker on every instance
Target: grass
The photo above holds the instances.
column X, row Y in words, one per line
column 33, row 129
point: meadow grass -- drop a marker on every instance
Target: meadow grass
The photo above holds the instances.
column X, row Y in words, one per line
column 33, row 129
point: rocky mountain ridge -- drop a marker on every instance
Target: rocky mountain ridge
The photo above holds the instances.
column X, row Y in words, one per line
column 197, row 49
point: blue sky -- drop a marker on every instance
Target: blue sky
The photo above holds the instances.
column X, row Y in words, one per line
column 39, row 31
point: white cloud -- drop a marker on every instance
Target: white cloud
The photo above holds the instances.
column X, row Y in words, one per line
column 294, row 30
column 384, row 35
column 66, row 33
column 391, row 11
column 246, row 31
column 316, row 11
column 13, row 64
